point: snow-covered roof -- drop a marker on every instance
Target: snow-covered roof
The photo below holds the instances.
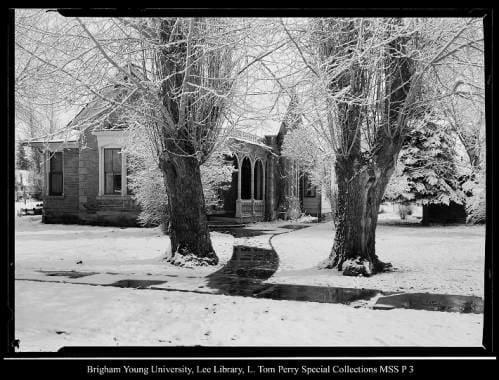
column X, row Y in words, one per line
column 89, row 116
column 67, row 138
column 246, row 136
column 91, row 113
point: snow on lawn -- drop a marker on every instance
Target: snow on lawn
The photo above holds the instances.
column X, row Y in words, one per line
column 53, row 247
column 435, row 259
column 85, row 315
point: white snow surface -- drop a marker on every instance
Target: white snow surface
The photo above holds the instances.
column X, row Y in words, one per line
column 435, row 259
column 51, row 315
column 102, row 249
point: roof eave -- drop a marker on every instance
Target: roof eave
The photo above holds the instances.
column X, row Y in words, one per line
column 52, row 145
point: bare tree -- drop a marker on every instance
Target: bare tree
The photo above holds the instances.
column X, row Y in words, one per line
column 460, row 82
column 169, row 79
column 368, row 87
column 362, row 84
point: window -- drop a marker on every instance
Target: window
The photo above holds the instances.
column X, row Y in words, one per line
column 246, row 179
column 258, row 178
column 55, row 174
column 310, row 189
column 112, row 171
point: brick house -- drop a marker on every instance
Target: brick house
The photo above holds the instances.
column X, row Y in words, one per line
column 85, row 177
column 84, row 181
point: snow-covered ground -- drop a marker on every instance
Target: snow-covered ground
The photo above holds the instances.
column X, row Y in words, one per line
column 117, row 250
column 51, row 315
column 103, row 249
column 436, row 259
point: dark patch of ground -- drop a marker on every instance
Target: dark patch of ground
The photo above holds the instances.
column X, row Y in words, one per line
column 68, row 273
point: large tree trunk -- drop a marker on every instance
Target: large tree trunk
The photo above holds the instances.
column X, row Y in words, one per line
column 362, row 174
column 360, row 191
column 188, row 223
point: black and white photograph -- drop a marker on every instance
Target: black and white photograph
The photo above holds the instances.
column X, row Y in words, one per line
column 249, row 181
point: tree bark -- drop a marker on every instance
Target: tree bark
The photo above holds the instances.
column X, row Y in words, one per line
column 363, row 170
column 360, row 191
column 188, row 223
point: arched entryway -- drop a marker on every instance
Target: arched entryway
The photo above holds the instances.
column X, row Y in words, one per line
column 251, row 187
column 246, row 178
column 259, row 181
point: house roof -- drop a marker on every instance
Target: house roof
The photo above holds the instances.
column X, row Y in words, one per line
column 67, row 138
column 261, row 115
column 95, row 111
column 92, row 113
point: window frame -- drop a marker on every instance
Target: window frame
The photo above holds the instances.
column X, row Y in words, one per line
column 50, row 172
column 111, row 139
column 120, row 173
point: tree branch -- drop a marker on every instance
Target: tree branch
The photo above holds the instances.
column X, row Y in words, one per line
column 108, row 58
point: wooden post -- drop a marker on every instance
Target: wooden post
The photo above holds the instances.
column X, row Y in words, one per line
column 238, row 200
column 239, row 173
column 252, row 161
column 263, row 185
column 269, row 194
column 123, row 174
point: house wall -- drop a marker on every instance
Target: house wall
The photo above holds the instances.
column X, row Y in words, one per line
column 63, row 208
column 105, row 209
column 318, row 205
column 271, row 188
column 271, row 195
column 312, row 205
column 80, row 202
column 88, row 176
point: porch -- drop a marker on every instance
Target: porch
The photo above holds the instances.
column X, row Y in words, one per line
column 250, row 173
column 245, row 199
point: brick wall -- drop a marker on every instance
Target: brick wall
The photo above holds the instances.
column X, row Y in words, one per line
column 64, row 208
column 95, row 209
column 81, row 202
column 88, row 174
